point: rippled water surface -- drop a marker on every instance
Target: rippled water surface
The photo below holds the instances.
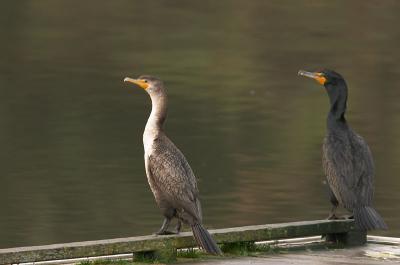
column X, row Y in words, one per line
column 71, row 130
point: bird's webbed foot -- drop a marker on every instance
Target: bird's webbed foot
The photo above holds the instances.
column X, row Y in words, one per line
column 348, row 217
column 165, row 232
column 332, row 216
column 344, row 217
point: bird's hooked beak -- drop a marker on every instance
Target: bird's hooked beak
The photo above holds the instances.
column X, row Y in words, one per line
column 319, row 77
column 140, row 82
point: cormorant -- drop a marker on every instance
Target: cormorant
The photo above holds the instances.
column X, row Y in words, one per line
column 169, row 175
column 347, row 159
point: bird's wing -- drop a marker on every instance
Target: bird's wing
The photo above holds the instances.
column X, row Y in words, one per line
column 174, row 177
column 333, row 162
column 348, row 165
column 365, row 169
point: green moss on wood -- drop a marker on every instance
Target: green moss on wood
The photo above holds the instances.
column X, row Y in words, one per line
column 172, row 242
column 238, row 248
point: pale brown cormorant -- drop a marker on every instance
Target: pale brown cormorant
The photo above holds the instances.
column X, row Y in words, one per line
column 169, row 175
column 347, row 159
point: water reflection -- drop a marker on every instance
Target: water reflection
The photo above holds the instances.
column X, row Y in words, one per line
column 72, row 160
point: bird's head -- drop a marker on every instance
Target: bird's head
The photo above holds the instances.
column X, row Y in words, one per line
column 331, row 80
column 152, row 85
column 336, row 88
column 323, row 77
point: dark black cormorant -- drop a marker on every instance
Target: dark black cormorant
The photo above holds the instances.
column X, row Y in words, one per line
column 169, row 175
column 347, row 159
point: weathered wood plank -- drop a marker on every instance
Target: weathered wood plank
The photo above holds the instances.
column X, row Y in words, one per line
column 183, row 240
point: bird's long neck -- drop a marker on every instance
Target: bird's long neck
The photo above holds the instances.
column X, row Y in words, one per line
column 338, row 100
column 157, row 116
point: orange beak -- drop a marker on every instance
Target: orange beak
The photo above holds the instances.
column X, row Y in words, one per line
column 319, row 77
column 140, row 82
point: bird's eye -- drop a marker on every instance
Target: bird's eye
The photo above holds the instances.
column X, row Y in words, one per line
column 145, row 81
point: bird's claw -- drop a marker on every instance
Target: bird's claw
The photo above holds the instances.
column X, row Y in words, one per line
column 166, row 232
column 348, row 217
column 332, row 217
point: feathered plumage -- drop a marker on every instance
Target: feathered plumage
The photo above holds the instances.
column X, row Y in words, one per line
column 169, row 174
column 347, row 159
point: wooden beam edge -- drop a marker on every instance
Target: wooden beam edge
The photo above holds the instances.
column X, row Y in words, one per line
column 183, row 240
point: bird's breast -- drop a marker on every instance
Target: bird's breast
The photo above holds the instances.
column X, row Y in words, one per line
column 148, row 141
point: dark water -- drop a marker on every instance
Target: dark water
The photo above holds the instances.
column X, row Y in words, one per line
column 72, row 156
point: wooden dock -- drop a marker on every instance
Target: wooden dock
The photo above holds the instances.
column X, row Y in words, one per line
column 384, row 252
column 166, row 246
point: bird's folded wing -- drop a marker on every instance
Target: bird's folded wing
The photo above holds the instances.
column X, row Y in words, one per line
column 349, row 169
column 174, row 177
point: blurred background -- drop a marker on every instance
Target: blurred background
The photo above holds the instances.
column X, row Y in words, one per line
column 71, row 131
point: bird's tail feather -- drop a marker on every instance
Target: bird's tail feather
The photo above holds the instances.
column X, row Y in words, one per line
column 367, row 218
column 204, row 239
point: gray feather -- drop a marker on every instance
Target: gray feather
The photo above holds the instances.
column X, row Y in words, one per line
column 174, row 179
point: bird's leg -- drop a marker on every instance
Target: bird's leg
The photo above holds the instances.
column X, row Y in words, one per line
column 163, row 230
column 178, row 226
column 335, row 204
column 332, row 214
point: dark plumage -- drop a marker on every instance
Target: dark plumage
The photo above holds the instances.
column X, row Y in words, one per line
column 347, row 159
column 169, row 175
